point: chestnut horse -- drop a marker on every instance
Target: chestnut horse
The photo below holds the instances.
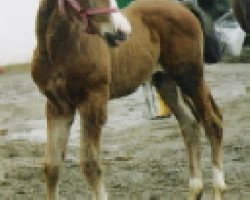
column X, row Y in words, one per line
column 240, row 8
column 76, row 69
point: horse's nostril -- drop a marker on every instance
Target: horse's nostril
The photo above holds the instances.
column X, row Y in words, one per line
column 111, row 39
column 121, row 35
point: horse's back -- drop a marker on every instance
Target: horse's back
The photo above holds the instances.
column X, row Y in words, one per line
column 180, row 31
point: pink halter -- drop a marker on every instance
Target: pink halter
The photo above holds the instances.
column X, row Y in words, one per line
column 84, row 14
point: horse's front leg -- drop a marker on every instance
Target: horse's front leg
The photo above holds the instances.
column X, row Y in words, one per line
column 93, row 113
column 58, row 128
column 184, row 111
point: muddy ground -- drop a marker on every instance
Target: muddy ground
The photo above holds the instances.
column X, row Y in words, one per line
column 142, row 159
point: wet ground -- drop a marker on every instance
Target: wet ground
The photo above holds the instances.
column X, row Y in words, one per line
column 142, row 159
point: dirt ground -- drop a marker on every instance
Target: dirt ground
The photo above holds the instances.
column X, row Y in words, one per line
column 142, row 159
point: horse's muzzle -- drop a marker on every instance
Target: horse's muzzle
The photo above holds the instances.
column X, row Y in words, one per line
column 113, row 39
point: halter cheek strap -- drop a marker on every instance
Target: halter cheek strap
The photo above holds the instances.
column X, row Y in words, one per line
column 83, row 13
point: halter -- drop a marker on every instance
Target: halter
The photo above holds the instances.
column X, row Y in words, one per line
column 83, row 13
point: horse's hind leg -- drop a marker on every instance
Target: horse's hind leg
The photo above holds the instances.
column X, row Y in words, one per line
column 58, row 128
column 196, row 88
column 93, row 113
column 191, row 129
column 214, row 131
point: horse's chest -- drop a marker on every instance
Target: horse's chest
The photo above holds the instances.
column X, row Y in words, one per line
column 65, row 88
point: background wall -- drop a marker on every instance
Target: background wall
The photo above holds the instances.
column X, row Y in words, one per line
column 17, row 30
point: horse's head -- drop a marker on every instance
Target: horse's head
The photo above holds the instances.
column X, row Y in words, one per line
column 101, row 17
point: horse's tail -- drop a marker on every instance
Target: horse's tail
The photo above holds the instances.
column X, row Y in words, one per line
column 212, row 47
column 240, row 13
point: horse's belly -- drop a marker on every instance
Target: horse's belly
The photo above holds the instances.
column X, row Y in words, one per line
column 132, row 64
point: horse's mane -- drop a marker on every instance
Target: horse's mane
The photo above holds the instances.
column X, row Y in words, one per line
column 45, row 10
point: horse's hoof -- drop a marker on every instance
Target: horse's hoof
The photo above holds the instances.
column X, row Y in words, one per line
column 195, row 195
column 199, row 196
column 218, row 192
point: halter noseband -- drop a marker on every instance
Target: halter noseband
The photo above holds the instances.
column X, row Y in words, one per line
column 83, row 13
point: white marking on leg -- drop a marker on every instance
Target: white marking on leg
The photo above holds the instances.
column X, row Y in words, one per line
column 195, row 183
column 119, row 21
column 218, row 178
column 104, row 194
column 195, row 188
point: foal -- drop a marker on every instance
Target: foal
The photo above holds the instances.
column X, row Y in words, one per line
column 76, row 70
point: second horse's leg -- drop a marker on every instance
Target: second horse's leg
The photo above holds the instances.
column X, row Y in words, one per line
column 214, row 131
column 191, row 129
column 195, row 87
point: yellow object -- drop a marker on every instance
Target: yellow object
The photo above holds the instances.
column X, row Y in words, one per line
column 164, row 110
column 157, row 108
